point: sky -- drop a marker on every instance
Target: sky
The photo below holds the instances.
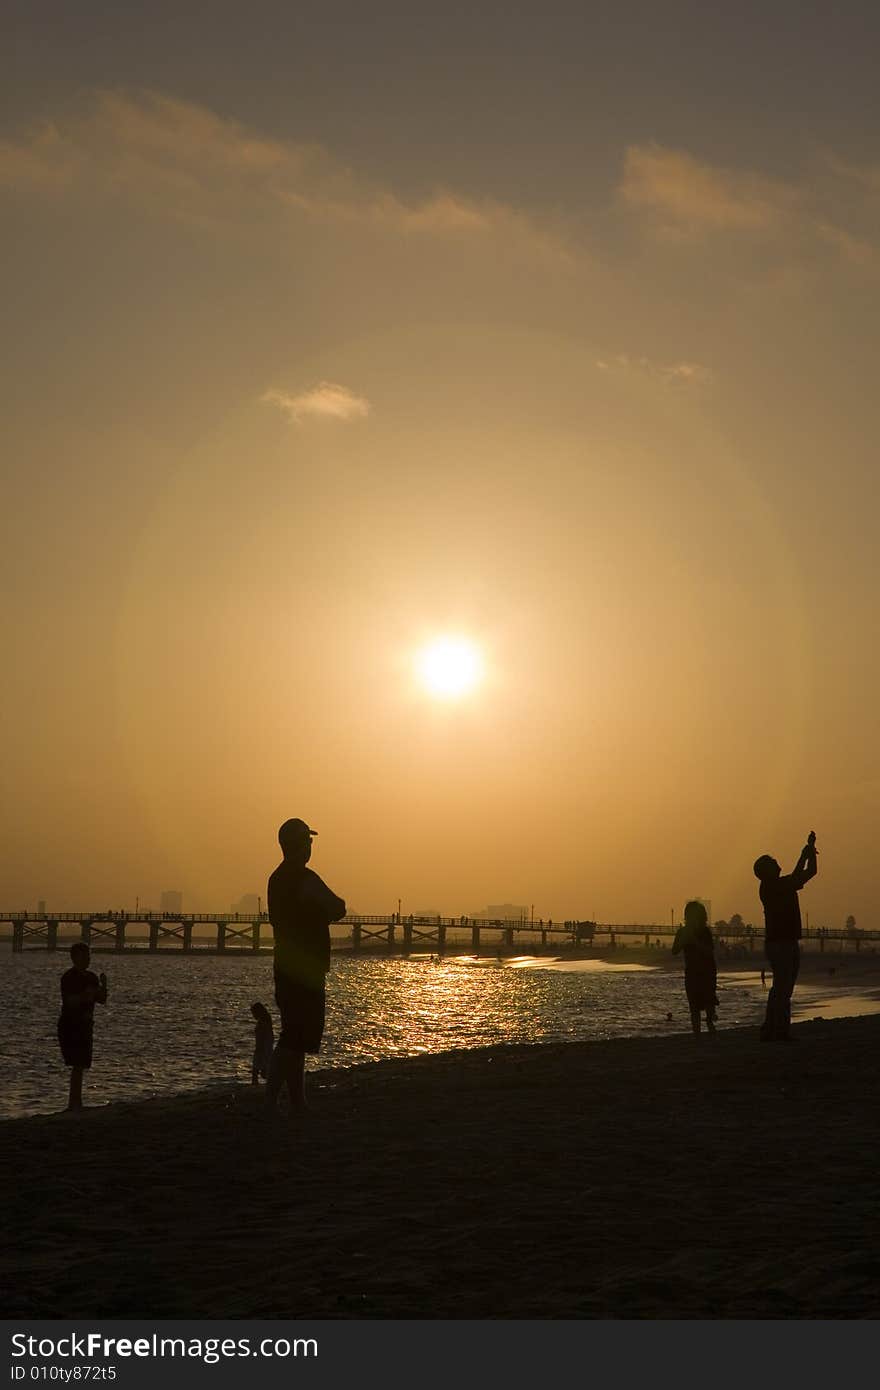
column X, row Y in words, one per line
column 332, row 329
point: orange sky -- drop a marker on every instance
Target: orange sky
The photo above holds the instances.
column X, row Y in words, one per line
column 305, row 368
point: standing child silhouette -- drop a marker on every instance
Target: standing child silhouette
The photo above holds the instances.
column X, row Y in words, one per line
column 700, row 975
column 264, row 1043
column 81, row 990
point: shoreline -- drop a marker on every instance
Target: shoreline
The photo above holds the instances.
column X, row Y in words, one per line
column 849, row 988
column 662, row 1177
column 633, row 949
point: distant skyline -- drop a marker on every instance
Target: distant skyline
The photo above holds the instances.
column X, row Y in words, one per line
column 334, row 332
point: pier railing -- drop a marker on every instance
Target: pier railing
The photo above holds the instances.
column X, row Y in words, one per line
column 244, row 932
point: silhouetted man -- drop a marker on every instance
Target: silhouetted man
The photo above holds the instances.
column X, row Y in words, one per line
column 782, row 918
column 301, row 908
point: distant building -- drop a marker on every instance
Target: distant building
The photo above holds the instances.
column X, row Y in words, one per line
column 171, row 901
column 247, row 904
column 41, row 907
column 502, row 912
column 424, row 912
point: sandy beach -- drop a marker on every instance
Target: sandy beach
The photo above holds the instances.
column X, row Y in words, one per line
column 656, row 1178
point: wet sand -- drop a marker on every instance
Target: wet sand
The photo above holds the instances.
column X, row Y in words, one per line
column 658, row 1178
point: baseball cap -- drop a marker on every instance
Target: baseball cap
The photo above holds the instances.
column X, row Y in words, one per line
column 293, row 830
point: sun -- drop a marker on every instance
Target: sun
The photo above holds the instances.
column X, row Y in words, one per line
column 449, row 667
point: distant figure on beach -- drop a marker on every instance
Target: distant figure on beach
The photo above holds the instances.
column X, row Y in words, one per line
column 694, row 938
column 301, row 908
column 81, row 990
column 264, row 1043
column 782, row 920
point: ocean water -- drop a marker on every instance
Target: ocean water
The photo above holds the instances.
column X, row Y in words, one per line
column 176, row 1023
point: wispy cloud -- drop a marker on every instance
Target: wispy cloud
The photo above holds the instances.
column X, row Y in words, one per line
column 865, row 176
column 856, row 250
column 183, row 160
column 799, row 224
column 681, row 373
column 178, row 160
column 42, row 159
column 326, row 401
column 691, row 197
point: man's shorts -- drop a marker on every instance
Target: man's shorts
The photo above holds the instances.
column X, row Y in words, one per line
column 302, row 1015
column 75, row 1037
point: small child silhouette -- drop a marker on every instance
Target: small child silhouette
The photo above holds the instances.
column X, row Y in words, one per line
column 694, row 938
column 264, row 1043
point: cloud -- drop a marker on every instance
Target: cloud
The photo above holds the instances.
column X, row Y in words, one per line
column 855, row 250
column 183, row 160
column 686, row 199
column 43, row 160
column 681, row 373
column 864, row 176
column 691, row 197
column 166, row 130
column 326, row 401
column 177, row 160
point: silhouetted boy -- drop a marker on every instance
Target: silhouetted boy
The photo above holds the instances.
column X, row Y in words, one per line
column 264, row 1043
column 81, row 990
column 782, row 918
column 301, row 908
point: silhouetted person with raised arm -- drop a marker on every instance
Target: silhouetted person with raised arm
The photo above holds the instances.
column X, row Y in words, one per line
column 301, row 908
column 782, row 918
column 694, row 938
column 81, row 990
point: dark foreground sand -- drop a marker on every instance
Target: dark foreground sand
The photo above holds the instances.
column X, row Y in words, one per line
column 656, row 1178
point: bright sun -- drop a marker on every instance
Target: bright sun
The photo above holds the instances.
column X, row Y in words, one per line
column 449, row 667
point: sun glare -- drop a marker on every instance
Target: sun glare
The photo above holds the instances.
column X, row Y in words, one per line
column 449, row 667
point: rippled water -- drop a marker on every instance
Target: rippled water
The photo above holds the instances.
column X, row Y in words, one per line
column 176, row 1024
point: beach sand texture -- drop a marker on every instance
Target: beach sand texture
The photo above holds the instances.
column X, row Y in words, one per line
column 649, row 1178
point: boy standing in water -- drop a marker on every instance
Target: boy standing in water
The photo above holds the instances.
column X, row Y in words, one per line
column 782, row 916
column 81, row 990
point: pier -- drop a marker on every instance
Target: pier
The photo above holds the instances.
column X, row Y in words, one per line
column 219, row 933
column 222, row 933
